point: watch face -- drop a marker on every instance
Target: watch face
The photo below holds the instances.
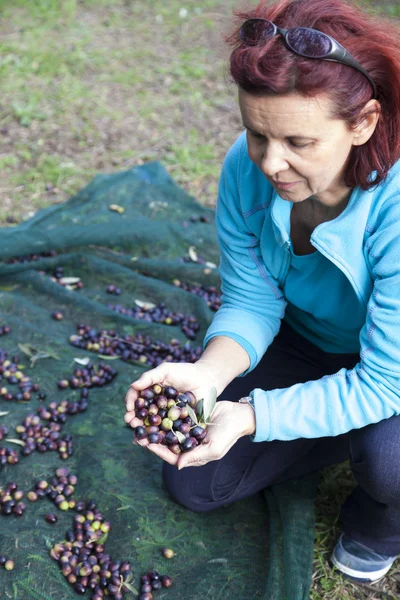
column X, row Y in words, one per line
column 245, row 400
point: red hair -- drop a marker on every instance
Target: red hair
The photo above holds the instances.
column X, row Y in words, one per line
column 374, row 42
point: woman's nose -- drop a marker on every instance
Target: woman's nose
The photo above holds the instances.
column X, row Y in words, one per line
column 273, row 161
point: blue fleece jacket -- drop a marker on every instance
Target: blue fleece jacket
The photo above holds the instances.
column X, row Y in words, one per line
column 364, row 243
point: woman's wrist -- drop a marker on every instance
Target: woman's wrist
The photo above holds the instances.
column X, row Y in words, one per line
column 249, row 419
column 211, row 376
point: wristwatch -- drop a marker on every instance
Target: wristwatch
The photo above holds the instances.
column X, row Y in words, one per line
column 247, row 400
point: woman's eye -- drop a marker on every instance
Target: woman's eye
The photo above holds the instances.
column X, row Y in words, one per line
column 298, row 144
column 255, row 135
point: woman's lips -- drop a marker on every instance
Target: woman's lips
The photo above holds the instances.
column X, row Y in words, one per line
column 284, row 185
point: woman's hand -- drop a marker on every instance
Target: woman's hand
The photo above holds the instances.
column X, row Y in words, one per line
column 229, row 422
column 197, row 378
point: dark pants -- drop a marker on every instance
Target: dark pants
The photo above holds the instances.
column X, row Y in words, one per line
column 370, row 515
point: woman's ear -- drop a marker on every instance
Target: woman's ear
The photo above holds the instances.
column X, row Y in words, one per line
column 367, row 123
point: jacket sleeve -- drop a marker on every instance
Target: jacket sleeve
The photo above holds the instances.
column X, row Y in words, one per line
column 350, row 399
column 252, row 303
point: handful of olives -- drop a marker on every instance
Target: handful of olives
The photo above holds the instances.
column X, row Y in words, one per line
column 170, row 418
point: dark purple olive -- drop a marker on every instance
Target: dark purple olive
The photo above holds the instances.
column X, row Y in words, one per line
column 166, row 580
column 140, row 433
column 79, row 588
column 51, row 518
column 156, row 585
column 189, row 444
column 171, row 392
column 175, row 448
column 147, row 394
column 154, row 438
column 198, row 432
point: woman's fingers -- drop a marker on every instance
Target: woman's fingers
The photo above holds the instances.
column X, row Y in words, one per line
column 130, row 399
column 164, row 453
column 131, row 419
column 149, row 378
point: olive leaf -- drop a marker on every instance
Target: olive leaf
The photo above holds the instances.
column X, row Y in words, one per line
column 3, row 414
column 117, row 208
column 102, row 539
column 192, row 254
column 200, row 409
column 69, row 280
column 180, row 436
column 209, row 403
column 26, row 349
column 192, row 414
column 82, row 361
column 12, row 441
column 105, row 357
column 211, row 265
column 130, row 587
column 145, row 305
column 35, row 354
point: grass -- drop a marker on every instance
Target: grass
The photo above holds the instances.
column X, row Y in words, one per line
column 101, row 86
column 94, row 86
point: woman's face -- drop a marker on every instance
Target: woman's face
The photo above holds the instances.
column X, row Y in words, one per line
column 299, row 147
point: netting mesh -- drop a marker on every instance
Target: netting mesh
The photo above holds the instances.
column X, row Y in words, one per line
column 142, row 249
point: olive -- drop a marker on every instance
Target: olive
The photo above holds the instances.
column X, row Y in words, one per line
column 166, row 580
column 79, row 588
column 51, row 518
column 189, row 444
column 9, row 565
column 168, row 553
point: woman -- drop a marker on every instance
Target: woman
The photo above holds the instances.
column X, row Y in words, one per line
column 307, row 338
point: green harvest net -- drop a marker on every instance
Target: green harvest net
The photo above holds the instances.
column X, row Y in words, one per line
column 258, row 548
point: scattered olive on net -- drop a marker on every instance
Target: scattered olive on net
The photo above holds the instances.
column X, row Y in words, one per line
column 89, row 377
column 9, row 565
column 4, row 330
column 11, row 500
column 168, row 553
column 82, row 557
column 43, row 432
column 140, row 348
column 199, row 219
column 51, row 518
column 210, row 294
column 8, row 456
column 71, row 283
column 31, row 257
column 114, row 290
column 12, row 374
column 176, row 429
column 160, row 314
column 57, row 316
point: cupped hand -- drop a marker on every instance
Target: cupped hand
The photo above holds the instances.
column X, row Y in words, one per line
column 197, row 378
column 229, row 422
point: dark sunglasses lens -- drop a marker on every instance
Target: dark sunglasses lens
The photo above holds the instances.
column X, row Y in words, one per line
column 256, row 31
column 309, row 42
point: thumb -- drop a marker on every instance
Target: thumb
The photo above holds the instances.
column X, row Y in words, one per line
column 196, row 458
column 150, row 378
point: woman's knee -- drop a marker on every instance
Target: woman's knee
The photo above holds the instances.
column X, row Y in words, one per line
column 188, row 488
column 374, row 459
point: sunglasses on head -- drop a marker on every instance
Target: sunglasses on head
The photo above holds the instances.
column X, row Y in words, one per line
column 303, row 41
